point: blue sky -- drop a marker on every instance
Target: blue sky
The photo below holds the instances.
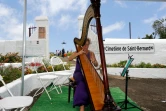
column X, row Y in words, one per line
column 63, row 18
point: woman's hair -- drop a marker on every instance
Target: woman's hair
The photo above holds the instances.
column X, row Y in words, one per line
column 88, row 40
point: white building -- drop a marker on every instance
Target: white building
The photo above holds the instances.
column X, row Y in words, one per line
column 36, row 45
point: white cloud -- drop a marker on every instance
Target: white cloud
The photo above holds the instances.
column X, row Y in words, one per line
column 150, row 20
column 113, row 27
column 5, row 11
column 21, row 2
column 164, row 16
column 82, row 5
column 57, row 9
column 10, row 27
column 65, row 21
column 150, row 3
column 54, row 7
column 162, row 7
column 103, row 1
column 11, row 21
column 121, row 3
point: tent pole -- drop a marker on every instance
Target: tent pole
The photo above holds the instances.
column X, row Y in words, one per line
column 23, row 47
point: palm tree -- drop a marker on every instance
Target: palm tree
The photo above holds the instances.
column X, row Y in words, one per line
column 159, row 27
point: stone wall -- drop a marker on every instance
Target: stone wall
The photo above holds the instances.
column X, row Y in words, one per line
column 33, row 47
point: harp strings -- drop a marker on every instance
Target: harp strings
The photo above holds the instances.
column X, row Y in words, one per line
column 95, row 76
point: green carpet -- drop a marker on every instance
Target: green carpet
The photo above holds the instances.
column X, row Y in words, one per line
column 59, row 101
column 119, row 96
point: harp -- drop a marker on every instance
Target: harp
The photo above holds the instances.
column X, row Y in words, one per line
column 101, row 99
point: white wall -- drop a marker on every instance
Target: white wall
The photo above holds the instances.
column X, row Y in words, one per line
column 31, row 82
column 32, row 48
column 158, row 56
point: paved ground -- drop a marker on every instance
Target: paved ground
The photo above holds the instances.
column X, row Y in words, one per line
column 147, row 93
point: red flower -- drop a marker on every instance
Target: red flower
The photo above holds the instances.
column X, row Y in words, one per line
column 37, row 64
column 32, row 64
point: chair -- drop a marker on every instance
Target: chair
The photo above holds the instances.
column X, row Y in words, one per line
column 72, row 84
column 44, row 79
column 57, row 61
column 64, row 74
column 14, row 102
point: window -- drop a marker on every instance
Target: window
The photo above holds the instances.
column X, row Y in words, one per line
column 42, row 33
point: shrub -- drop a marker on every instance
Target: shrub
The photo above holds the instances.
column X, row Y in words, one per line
column 140, row 65
column 49, row 68
column 148, row 65
column 58, row 68
column 68, row 66
column 52, row 54
column 122, row 63
column 9, row 74
column 158, row 66
column 41, row 69
column 10, row 58
column 114, row 65
column 28, row 71
column 132, row 66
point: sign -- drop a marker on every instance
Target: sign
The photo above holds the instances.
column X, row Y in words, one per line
column 129, row 48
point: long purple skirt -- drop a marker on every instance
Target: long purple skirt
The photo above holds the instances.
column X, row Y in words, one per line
column 81, row 94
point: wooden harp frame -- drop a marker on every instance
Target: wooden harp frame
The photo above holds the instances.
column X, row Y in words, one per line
column 93, row 11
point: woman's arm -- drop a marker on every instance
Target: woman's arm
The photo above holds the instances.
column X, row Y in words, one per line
column 93, row 59
column 75, row 54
